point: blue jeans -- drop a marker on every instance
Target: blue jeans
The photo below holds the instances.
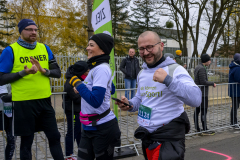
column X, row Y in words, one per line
column 130, row 83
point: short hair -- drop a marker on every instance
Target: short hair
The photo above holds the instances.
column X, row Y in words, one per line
column 150, row 32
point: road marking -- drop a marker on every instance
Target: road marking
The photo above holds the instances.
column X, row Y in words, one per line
column 229, row 158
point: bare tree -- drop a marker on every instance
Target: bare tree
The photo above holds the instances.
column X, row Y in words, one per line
column 195, row 13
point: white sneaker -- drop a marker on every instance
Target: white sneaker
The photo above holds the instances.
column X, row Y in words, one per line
column 236, row 126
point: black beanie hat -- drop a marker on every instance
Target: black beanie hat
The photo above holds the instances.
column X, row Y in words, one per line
column 236, row 58
column 79, row 68
column 104, row 41
column 205, row 58
column 24, row 23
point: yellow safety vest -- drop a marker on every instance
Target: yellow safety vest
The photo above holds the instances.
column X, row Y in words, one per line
column 32, row 86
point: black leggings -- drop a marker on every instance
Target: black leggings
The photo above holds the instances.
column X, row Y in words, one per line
column 54, row 145
column 203, row 109
column 235, row 106
column 100, row 143
column 10, row 138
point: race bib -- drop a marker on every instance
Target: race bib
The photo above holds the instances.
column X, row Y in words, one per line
column 144, row 115
column 8, row 109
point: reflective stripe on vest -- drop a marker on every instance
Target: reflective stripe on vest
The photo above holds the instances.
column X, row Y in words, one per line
column 32, row 86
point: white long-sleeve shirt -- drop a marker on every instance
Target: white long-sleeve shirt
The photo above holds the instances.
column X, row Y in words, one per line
column 164, row 100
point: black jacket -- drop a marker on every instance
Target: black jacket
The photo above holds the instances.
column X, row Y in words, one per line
column 71, row 98
column 130, row 67
column 200, row 78
column 171, row 136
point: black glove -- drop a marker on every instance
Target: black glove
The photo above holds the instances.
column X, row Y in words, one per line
column 75, row 81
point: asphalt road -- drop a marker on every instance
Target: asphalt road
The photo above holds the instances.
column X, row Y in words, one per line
column 224, row 145
column 221, row 146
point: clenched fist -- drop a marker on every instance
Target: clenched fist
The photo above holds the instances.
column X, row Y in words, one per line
column 159, row 75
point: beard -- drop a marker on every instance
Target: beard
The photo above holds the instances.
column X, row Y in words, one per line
column 156, row 58
column 30, row 39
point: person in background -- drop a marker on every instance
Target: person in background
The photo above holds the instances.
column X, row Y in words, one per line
column 28, row 65
column 200, row 78
column 6, row 116
column 178, row 57
column 159, row 101
column 173, row 57
column 234, row 89
column 130, row 67
column 72, row 104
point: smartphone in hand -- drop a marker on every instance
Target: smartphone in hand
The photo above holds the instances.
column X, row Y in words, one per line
column 118, row 100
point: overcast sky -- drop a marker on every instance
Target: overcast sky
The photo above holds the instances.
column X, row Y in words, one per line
column 203, row 25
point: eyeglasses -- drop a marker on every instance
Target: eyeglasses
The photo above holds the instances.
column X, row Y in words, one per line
column 31, row 30
column 149, row 48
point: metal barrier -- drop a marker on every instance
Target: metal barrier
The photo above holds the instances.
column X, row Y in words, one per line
column 217, row 72
column 218, row 117
column 217, row 112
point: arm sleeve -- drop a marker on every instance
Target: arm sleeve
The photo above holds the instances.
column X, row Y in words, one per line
column 202, row 77
column 94, row 97
column 122, row 66
column 183, row 87
column 6, row 78
column 54, row 69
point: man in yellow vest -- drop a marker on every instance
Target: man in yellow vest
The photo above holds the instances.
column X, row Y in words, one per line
column 27, row 65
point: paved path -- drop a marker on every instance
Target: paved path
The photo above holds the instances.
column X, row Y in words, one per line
column 223, row 145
